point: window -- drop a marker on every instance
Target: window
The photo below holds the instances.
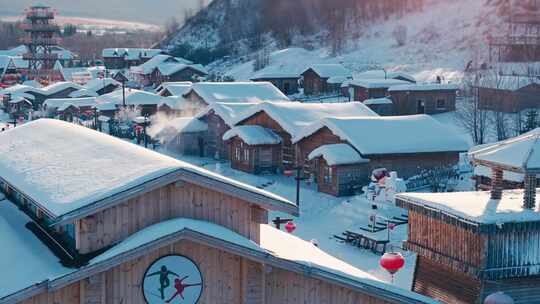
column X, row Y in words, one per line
column 237, row 153
column 441, row 104
column 420, row 106
column 246, row 155
column 327, row 175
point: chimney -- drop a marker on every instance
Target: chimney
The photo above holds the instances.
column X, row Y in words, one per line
column 496, row 183
column 529, row 197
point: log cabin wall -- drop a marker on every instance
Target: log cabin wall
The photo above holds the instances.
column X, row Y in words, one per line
column 264, row 120
column 408, row 165
column 342, row 180
column 284, row 286
column 254, row 159
column 522, row 290
column 215, row 145
column 313, row 83
column 455, row 247
column 67, row 295
column 406, row 102
column 172, row 201
column 442, row 283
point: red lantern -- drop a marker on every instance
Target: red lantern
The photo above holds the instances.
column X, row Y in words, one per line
column 290, row 227
column 288, row 173
column 392, row 262
column 498, row 298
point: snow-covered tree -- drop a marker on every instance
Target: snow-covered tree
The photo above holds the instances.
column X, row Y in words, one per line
column 400, row 34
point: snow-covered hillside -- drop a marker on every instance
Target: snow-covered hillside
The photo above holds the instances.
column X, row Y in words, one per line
column 441, row 40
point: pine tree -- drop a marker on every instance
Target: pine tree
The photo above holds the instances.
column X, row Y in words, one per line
column 531, row 121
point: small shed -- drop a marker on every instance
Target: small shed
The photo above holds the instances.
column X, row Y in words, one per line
column 339, row 169
column 509, row 93
column 254, row 149
column 286, row 82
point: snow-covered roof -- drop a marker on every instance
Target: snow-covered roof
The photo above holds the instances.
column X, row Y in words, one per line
column 212, row 92
column 168, row 69
column 20, row 50
column 18, row 99
column 21, row 89
column 337, row 154
column 338, row 79
column 188, row 125
column 32, row 83
column 423, row 87
column 34, row 264
column 100, row 83
column 162, row 61
column 83, row 93
column 477, row 206
column 229, row 112
column 176, row 103
column 377, row 101
column 16, row 51
column 381, row 74
column 60, row 86
column 5, row 61
column 277, row 71
column 507, row 82
column 130, row 53
column 377, row 83
column 52, row 103
column 106, row 106
column 253, row 135
column 392, row 134
column 294, row 116
column 521, row 153
column 330, row 70
column 176, row 89
column 47, row 167
column 133, row 97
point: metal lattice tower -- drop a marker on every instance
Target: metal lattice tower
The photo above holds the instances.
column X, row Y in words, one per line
column 40, row 40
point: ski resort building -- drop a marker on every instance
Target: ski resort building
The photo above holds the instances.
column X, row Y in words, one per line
column 321, row 79
column 131, row 225
column 122, row 58
column 473, row 244
column 414, row 99
column 340, row 153
column 286, row 120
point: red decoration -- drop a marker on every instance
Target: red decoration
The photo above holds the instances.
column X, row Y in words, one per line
column 288, row 173
column 391, row 226
column 290, row 227
column 392, row 262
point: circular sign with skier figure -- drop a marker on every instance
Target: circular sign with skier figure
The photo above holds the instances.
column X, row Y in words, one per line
column 172, row 279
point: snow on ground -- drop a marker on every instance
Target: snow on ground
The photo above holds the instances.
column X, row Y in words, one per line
column 322, row 216
column 440, row 41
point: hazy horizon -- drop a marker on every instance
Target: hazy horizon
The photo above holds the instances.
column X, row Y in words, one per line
column 145, row 11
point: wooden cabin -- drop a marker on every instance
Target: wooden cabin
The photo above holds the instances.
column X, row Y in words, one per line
column 473, row 244
column 254, row 149
column 321, row 79
column 177, row 72
column 17, row 106
column 423, row 98
column 179, row 88
column 122, row 58
column 382, row 106
column 363, row 89
column 391, row 142
column 286, row 83
column 289, row 119
column 337, row 169
column 508, row 94
column 135, row 226
column 220, row 118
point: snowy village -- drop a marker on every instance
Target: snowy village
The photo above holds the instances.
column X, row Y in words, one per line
column 270, row 151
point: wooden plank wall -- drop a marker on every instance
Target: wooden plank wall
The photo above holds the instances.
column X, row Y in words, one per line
column 66, row 295
column 448, row 240
column 186, row 200
column 284, row 286
column 522, row 290
column 444, row 284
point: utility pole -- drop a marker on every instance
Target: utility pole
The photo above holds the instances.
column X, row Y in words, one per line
column 298, row 179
